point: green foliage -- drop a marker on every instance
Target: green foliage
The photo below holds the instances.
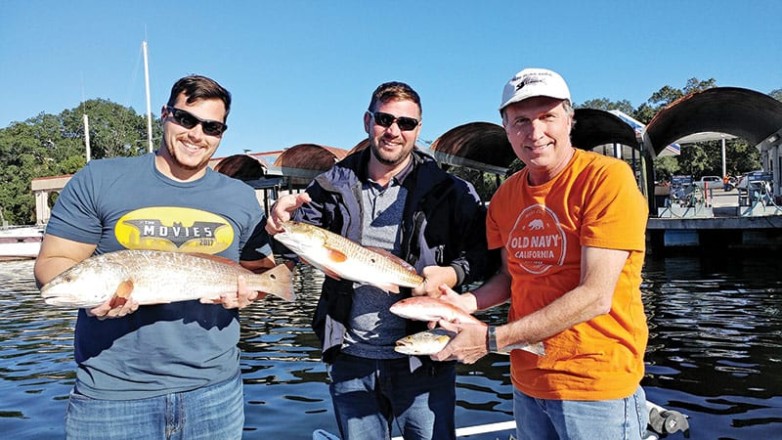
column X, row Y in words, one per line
column 741, row 157
column 665, row 167
column 604, row 104
column 114, row 130
column 694, row 160
column 52, row 145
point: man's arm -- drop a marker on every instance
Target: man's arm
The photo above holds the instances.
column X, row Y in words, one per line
column 600, row 271
column 60, row 254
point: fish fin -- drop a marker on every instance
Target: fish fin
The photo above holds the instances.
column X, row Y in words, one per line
column 121, row 295
column 336, row 256
column 537, row 349
column 217, row 258
column 124, row 289
column 277, row 281
column 215, row 299
column 391, row 288
column 393, row 258
column 330, row 273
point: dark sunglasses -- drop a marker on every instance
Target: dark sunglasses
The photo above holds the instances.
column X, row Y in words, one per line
column 189, row 120
column 404, row 123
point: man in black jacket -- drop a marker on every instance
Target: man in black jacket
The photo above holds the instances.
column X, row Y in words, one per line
column 394, row 197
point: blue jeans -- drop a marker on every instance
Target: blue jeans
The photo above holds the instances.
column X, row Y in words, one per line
column 210, row 413
column 571, row 419
column 368, row 394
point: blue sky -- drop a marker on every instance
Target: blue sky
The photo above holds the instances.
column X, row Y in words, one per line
column 303, row 71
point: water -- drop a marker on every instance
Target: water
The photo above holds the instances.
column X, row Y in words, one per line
column 714, row 354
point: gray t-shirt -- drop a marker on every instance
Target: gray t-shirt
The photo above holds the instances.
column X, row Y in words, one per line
column 374, row 330
column 159, row 349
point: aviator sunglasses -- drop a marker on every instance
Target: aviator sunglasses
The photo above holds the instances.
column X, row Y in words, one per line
column 189, row 120
column 404, row 123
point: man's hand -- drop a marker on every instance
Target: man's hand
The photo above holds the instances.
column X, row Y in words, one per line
column 434, row 278
column 467, row 346
column 465, row 301
column 282, row 209
column 116, row 307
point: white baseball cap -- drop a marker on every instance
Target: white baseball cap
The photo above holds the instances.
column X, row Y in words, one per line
column 534, row 82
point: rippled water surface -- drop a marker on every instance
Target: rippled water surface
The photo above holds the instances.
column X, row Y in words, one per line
column 715, row 354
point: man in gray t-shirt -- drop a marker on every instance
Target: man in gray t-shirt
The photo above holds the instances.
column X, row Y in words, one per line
column 156, row 369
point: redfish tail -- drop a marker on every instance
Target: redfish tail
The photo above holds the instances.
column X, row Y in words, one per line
column 277, row 281
column 536, row 349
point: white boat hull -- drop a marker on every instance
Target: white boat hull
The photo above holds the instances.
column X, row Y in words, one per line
column 20, row 242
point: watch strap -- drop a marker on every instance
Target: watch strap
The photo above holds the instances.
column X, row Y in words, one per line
column 491, row 338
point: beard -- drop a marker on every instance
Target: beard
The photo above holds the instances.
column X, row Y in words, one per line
column 388, row 158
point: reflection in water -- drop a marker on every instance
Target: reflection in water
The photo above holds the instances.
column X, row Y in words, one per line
column 714, row 354
column 715, row 351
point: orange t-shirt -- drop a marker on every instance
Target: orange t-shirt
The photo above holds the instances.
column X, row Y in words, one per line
column 593, row 202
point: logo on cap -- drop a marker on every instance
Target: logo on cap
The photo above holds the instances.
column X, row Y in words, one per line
column 527, row 81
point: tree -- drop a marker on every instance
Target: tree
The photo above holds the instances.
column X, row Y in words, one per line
column 741, row 157
column 693, row 159
column 115, row 130
column 605, row 104
column 665, row 167
column 666, row 95
column 51, row 145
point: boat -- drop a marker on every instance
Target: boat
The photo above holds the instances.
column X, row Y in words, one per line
column 661, row 423
column 20, row 242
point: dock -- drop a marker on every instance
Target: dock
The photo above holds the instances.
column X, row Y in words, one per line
column 723, row 220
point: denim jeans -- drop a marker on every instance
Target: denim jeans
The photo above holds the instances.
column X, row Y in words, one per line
column 368, row 394
column 580, row 420
column 210, row 413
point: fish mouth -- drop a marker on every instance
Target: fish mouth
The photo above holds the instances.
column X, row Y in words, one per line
column 66, row 300
column 402, row 344
column 403, row 347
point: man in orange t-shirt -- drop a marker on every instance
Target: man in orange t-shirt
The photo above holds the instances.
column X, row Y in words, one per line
column 571, row 230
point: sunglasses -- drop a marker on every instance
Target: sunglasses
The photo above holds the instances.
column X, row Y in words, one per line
column 386, row 120
column 189, row 120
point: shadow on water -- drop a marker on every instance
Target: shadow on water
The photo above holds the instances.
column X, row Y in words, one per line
column 714, row 354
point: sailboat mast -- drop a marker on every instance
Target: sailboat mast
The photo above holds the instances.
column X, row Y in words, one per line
column 149, row 105
column 88, row 153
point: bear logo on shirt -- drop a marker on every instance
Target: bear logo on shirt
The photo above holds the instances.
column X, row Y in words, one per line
column 537, row 241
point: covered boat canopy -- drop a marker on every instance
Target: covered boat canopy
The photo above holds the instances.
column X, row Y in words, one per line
column 744, row 113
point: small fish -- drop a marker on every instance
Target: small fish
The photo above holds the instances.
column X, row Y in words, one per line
column 341, row 258
column 429, row 342
column 424, row 308
column 424, row 343
column 158, row 277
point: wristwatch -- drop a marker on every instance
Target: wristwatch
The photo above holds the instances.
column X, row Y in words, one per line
column 491, row 338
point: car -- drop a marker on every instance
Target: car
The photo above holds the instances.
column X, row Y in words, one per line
column 710, row 182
